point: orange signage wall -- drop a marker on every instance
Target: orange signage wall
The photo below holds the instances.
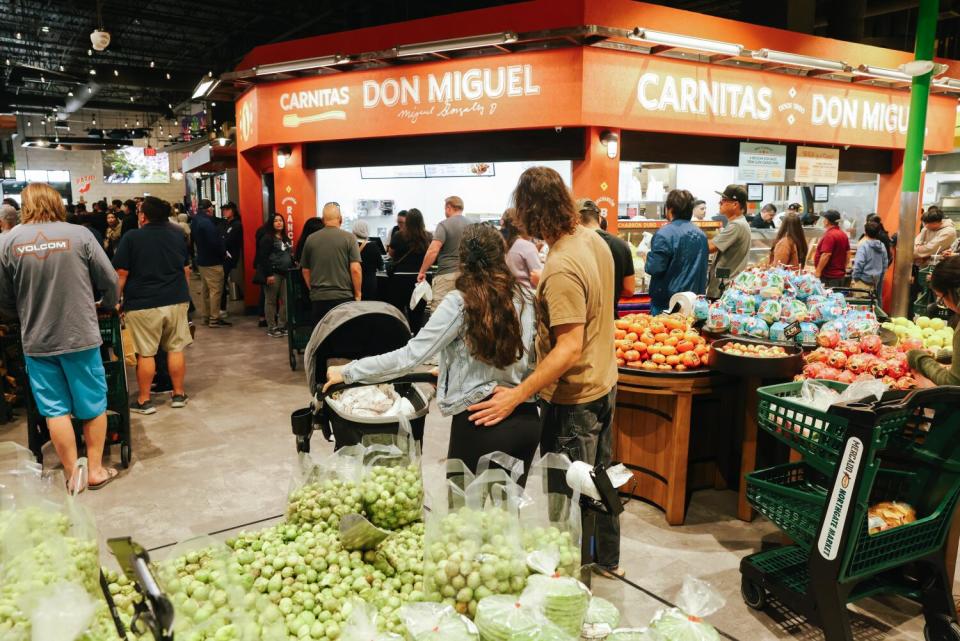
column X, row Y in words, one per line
column 583, row 87
column 657, row 94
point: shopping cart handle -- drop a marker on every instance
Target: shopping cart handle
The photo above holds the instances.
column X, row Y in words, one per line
column 910, row 400
column 419, row 377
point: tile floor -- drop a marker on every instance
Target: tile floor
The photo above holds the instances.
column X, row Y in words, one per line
column 225, row 460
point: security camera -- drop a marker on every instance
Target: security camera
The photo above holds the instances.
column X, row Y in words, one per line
column 100, row 39
column 558, row 129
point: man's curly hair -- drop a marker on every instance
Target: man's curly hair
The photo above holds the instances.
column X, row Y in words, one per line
column 544, row 205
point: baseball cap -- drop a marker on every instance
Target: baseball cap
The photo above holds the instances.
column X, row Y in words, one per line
column 204, row 204
column 735, row 192
column 585, row 204
column 832, row 215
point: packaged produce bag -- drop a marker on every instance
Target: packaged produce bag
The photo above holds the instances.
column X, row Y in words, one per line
column 550, row 516
column 563, row 600
column 362, row 625
column 636, row 634
column 392, row 485
column 436, row 622
column 696, row 601
column 502, row 618
column 475, row 550
column 601, row 619
column 323, row 492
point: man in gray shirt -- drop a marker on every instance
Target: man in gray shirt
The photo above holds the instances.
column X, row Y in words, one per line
column 732, row 243
column 47, row 267
column 445, row 251
column 331, row 264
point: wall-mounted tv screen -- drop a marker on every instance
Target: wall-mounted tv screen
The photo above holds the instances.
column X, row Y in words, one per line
column 131, row 165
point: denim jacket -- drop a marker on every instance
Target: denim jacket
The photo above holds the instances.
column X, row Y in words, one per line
column 463, row 379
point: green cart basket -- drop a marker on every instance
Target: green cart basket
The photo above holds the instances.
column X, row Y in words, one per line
column 299, row 315
column 118, row 400
column 835, row 560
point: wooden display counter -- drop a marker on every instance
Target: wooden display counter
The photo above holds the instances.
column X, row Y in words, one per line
column 675, row 431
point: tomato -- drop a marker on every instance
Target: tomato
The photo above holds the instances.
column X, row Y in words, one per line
column 684, row 346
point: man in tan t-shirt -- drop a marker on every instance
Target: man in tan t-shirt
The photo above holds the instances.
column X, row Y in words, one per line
column 576, row 374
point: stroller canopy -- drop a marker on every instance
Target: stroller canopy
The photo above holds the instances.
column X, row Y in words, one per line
column 352, row 331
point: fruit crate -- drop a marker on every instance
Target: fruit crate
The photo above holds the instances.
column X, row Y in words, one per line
column 838, row 560
column 818, row 435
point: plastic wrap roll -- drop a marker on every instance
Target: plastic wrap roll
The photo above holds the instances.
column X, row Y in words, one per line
column 683, row 302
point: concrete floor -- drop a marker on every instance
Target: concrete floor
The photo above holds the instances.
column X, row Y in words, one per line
column 225, row 460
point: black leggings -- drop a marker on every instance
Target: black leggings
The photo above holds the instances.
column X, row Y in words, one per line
column 517, row 435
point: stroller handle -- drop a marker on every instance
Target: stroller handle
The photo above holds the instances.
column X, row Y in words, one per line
column 419, row 377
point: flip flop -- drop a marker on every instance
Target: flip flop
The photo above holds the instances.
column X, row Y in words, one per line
column 112, row 474
column 611, row 573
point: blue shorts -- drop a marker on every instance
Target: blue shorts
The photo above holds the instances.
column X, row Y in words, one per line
column 69, row 384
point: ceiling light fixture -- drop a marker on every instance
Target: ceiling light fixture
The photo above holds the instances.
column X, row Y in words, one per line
column 89, row 52
column 93, row 122
column 45, row 29
column 300, row 65
column 93, row 72
column 116, row 73
column 152, row 64
column 283, row 155
column 61, row 67
column 457, row 44
column 797, row 60
column 681, row 41
column 883, row 73
column 100, row 39
column 204, row 88
column 131, row 98
column 168, row 75
column 19, row 36
column 947, row 83
column 70, row 94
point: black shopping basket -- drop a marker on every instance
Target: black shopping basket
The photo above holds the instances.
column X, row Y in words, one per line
column 118, row 401
column 299, row 315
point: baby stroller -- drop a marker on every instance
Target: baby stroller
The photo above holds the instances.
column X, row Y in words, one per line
column 348, row 332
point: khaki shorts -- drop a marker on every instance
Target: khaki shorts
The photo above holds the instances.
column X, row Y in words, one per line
column 165, row 327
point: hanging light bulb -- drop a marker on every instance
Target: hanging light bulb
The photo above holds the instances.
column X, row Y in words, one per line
column 29, row 123
column 152, row 64
column 8, row 62
column 89, row 89
column 138, row 123
column 19, row 36
column 168, row 75
column 42, row 79
column 93, row 71
column 213, row 104
column 70, row 94
column 131, row 98
column 89, row 52
column 94, row 121
column 116, row 73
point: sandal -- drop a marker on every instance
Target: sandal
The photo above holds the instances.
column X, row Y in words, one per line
column 611, row 573
column 112, row 474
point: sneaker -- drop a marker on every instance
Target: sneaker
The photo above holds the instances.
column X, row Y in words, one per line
column 179, row 400
column 220, row 323
column 282, row 330
column 143, row 408
column 162, row 388
column 262, row 322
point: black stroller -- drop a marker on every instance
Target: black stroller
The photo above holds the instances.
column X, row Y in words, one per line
column 348, row 332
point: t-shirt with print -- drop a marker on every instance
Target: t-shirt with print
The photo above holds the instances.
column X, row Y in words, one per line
column 155, row 256
column 449, row 232
column 733, row 245
column 522, row 259
column 575, row 289
column 328, row 254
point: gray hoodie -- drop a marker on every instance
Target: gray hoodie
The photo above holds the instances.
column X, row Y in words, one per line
column 48, row 275
column 870, row 262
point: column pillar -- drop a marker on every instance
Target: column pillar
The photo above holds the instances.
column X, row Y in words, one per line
column 597, row 176
column 295, row 189
column 250, row 201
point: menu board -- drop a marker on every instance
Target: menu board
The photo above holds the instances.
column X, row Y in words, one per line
column 460, row 170
column 817, row 165
column 393, row 171
column 762, row 162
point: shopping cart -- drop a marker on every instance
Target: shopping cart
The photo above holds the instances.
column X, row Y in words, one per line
column 902, row 448
column 299, row 315
column 118, row 401
column 350, row 331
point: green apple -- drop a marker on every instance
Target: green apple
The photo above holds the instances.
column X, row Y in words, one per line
column 937, row 323
column 922, row 321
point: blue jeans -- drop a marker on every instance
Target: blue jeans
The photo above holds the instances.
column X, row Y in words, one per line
column 585, row 433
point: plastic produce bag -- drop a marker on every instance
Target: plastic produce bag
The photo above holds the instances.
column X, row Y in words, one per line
column 601, row 619
column 696, row 601
column 361, row 625
column 563, row 600
column 473, row 546
column 550, row 516
column 819, row 396
column 62, row 613
column 392, row 486
column 636, row 634
column 502, row 618
column 436, row 622
column 326, row 491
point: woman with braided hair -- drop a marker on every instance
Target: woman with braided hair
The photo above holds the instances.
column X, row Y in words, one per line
column 484, row 332
column 945, row 283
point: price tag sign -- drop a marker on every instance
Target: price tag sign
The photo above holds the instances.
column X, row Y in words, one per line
column 723, row 274
column 791, row 330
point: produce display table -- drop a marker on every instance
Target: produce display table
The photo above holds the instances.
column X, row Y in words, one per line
column 674, row 431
